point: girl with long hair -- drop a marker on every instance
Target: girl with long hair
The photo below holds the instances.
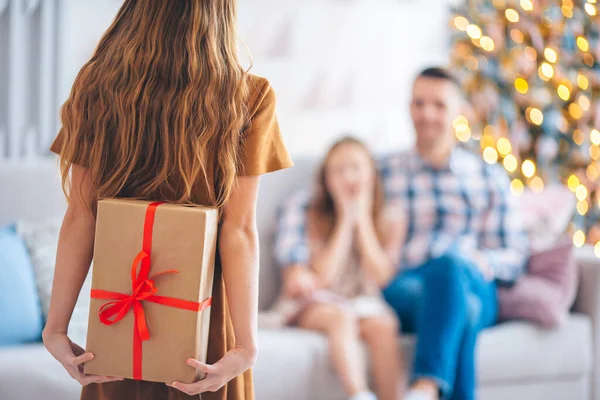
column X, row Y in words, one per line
column 164, row 111
column 354, row 240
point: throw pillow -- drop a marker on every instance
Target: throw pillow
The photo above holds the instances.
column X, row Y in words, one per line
column 20, row 311
column 42, row 241
column 546, row 215
column 547, row 292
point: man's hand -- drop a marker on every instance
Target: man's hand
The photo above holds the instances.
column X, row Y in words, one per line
column 483, row 265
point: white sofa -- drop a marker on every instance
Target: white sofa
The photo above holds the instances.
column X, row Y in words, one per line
column 515, row 360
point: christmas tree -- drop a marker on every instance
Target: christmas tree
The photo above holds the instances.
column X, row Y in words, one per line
column 531, row 72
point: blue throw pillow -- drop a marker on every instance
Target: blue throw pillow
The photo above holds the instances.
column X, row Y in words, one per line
column 20, row 310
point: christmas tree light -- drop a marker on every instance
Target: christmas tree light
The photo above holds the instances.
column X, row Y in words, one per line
column 531, row 70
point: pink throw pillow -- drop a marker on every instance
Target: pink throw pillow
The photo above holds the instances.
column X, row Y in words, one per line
column 547, row 291
column 546, row 215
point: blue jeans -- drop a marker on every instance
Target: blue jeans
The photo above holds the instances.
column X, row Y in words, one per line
column 446, row 302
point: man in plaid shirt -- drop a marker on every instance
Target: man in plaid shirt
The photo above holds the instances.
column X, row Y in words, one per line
column 463, row 236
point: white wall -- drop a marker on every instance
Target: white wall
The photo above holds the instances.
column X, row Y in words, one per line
column 336, row 65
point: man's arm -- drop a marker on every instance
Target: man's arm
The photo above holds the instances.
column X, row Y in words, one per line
column 291, row 247
column 503, row 242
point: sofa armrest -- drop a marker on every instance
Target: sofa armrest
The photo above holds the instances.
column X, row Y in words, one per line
column 588, row 302
column 588, row 295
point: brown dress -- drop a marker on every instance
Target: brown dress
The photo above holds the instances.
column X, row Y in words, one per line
column 263, row 151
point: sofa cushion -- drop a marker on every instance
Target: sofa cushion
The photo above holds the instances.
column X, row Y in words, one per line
column 41, row 239
column 288, row 355
column 568, row 388
column 507, row 353
column 30, row 372
column 20, row 312
column 521, row 351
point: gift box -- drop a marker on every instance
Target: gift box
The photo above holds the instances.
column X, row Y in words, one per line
column 152, row 280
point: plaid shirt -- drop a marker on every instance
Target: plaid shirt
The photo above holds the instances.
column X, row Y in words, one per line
column 465, row 207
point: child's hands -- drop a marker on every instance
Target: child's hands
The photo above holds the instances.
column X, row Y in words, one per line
column 366, row 201
column 233, row 364
column 347, row 202
column 299, row 281
column 355, row 202
column 72, row 357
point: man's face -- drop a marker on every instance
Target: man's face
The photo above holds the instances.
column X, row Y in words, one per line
column 435, row 104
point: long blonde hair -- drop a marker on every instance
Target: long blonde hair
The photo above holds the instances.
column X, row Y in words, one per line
column 163, row 93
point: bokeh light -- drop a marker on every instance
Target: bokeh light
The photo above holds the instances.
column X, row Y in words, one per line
column 575, row 111
column 592, row 172
column 582, row 207
column 487, row 141
column 579, row 238
column 516, row 187
column 581, row 192
column 563, row 92
column 526, row 5
column 597, row 249
column 583, row 81
column 550, row 55
column 531, row 53
column 528, row 168
column 510, row 163
column 474, row 31
column 567, row 11
column 546, row 71
column 535, row 116
column 582, row 43
column 504, row 146
column 573, row 183
column 537, row 184
column 516, row 35
column 584, row 102
column 487, row 43
column 578, row 137
column 512, row 15
column 595, row 136
column 490, row 155
column 521, row 85
column 461, row 23
column 472, row 63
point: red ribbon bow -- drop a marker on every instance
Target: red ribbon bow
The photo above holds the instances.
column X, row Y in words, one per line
column 143, row 289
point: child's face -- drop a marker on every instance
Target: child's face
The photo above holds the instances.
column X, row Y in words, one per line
column 348, row 170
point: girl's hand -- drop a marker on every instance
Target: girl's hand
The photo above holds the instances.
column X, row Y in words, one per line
column 299, row 281
column 72, row 357
column 233, row 364
column 365, row 202
column 347, row 201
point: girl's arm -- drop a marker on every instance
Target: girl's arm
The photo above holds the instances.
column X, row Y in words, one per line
column 379, row 246
column 328, row 262
column 73, row 259
column 238, row 249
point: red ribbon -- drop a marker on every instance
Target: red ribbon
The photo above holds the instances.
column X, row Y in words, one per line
column 143, row 289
